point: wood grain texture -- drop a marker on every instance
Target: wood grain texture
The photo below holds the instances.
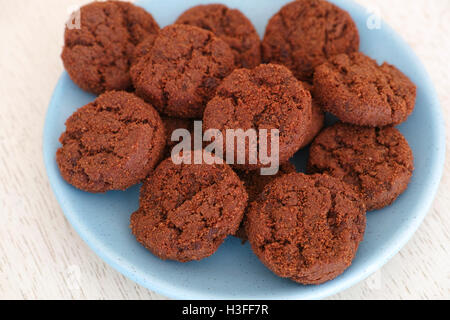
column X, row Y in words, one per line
column 41, row 257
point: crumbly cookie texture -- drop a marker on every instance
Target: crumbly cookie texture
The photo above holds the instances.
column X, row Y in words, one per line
column 357, row 90
column 266, row 97
column 98, row 55
column 232, row 26
column 305, row 33
column 378, row 162
column 254, row 183
column 306, row 228
column 317, row 118
column 111, row 143
column 187, row 211
column 182, row 70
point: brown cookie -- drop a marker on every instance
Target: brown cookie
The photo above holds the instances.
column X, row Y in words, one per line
column 143, row 48
column 186, row 211
column 317, row 123
column 254, row 184
column 232, row 26
column 111, row 143
column 305, row 33
column 97, row 55
column 306, row 228
column 182, row 70
column 357, row 90
column 317, row 119
column 266, row 97
column 377, row 162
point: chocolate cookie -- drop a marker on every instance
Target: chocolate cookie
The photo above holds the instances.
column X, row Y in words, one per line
column 306, row 228
column 97, row 55
column 143, row 48
column 305, row 33
column 377, row 162
column 111, row 143
column 186, row 211
column 182, row 70
column 359, row 91
column 266, row 97
column 254, row 184
column 232, row 26
column 317, row 119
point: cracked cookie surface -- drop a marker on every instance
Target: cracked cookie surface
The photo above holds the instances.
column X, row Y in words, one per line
column 232, row 26
column 186, row 211
column 254, row 183
column 305, row 33
column 359, row 91
column 378, row 162
column 98, row 55
column 111, row 143
column 266, row 97
column 306, row 228
column 182, row 70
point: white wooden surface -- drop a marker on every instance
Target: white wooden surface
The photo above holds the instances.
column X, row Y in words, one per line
column 41, row 257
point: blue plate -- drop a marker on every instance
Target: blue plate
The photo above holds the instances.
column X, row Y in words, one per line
column 234, row 272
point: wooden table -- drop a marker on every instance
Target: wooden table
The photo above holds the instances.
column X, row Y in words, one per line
column 41, row 257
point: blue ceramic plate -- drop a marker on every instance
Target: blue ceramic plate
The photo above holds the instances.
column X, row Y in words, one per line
column 234, row 271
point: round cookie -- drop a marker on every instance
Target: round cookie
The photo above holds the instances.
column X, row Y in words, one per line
column 317, row 119
column 357, row 90
column 266, row 97
column 232, row 26
column 182, row 70
column 378, row 162
column 306, row 228
column 111, row 143
column 186, row 211
column 254, row 184
column 97, row 55
column 305, row 33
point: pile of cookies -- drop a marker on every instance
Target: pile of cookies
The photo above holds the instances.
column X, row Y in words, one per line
column 211, row 65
